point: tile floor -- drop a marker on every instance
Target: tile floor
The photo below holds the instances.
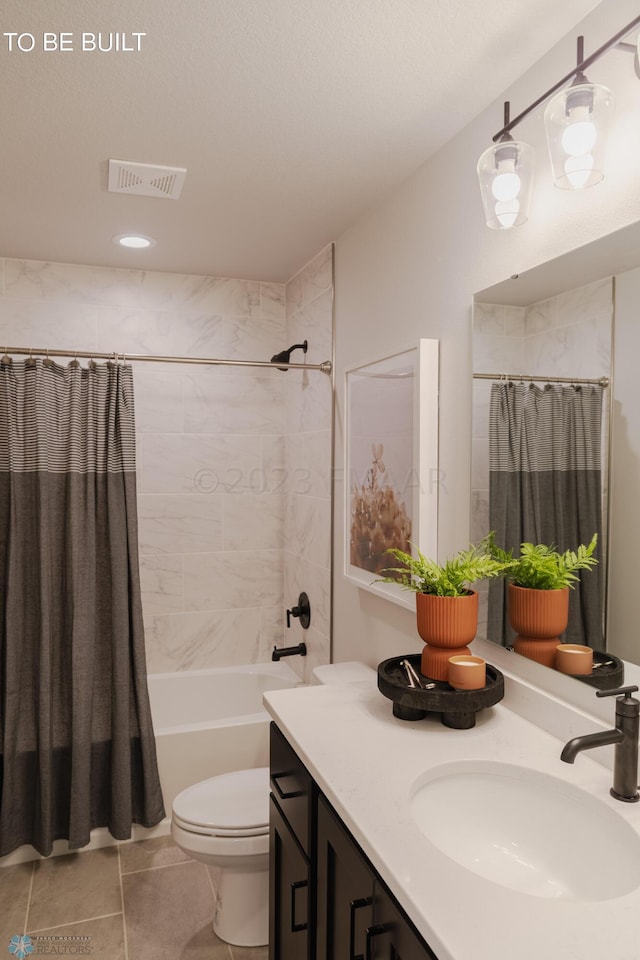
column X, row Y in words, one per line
column 136, row 901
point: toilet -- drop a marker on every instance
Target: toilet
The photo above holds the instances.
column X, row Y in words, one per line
column 224, row 822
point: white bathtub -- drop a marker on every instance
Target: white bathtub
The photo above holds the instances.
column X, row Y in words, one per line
column 212, row 721
column 206, row 722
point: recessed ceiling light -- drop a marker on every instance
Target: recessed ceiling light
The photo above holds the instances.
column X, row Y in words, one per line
column 135, row 241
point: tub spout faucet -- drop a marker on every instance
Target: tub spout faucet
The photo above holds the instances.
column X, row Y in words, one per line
column 300, row 650
column 624, row 736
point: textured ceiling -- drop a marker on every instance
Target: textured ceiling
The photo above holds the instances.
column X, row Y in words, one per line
column 291, row 116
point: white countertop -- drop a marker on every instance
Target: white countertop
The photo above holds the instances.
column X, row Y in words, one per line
column 365, row 761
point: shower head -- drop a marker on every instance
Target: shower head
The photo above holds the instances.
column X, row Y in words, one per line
column 285, row 355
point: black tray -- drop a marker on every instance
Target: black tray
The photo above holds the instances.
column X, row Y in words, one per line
column 607, row 677
column 458, row 708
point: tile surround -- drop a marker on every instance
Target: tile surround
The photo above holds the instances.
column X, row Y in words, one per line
column 192, row 640
column 36, row 323
column 178, row 524
column 308, row 425
column 71, row 283
column 213, row 479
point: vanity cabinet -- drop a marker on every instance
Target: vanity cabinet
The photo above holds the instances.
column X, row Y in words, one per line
column 357, row 917
column 292, row 849
column 326, row 900
column 289, row 892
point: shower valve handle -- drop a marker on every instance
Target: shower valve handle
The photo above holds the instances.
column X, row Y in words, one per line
column 302, row 610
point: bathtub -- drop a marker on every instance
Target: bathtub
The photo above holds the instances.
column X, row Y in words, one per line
column 206, row 722
column 212, row 721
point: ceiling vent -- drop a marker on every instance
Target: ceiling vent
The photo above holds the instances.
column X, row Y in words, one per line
column 145, row 179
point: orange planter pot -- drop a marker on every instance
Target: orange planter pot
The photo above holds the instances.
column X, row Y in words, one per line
column 542, row 651
column 538, row 614
column 447, row 621
column 447, row 625
column 434, row 662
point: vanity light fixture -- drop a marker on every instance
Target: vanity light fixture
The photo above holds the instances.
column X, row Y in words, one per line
column 134, row 241
column 505, row 172
column 576, row 120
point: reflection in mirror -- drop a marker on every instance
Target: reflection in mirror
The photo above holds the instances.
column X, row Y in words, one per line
column 541, row 412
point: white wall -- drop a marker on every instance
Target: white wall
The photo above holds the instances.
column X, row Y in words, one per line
column 410, row 268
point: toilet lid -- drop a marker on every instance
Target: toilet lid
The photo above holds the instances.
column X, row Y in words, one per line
column 232, row 804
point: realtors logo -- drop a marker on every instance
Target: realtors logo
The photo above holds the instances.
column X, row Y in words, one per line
column 21, row 947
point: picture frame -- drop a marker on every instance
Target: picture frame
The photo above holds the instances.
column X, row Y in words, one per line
column 391, row 465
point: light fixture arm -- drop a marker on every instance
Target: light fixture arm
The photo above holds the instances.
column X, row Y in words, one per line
column 581, row 66
column 579, row 76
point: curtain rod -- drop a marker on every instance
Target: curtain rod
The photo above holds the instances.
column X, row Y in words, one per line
column 599, row 381
column 325, row 366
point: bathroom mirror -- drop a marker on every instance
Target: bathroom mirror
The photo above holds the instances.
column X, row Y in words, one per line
column 574, row 317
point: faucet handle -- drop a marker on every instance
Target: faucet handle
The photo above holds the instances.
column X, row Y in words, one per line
column 619, row 691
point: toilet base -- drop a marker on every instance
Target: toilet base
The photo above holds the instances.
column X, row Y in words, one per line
column 242, row 908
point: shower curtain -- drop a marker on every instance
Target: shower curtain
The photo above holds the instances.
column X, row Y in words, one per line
column 76, row 740
column 545, row 487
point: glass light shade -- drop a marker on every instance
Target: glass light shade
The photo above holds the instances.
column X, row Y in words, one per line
column 505, row 172
column 577, row 122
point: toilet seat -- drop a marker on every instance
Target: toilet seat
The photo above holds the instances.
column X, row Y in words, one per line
column 230, row 805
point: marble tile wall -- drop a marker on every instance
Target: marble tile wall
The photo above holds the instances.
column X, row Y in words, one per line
column 210, row 448
column 308, row 446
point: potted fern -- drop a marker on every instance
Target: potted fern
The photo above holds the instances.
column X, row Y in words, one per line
column 540, row 580
column 446, row 606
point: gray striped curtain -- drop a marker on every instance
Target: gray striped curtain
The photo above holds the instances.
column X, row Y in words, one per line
column 545, row 487
column 76, row 739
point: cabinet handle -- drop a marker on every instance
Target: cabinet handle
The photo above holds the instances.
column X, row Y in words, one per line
column 285, row 794
column 372, row 932
column 353, row 906
column 297, row 927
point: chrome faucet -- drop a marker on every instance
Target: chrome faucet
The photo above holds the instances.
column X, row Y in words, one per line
column 624, row 736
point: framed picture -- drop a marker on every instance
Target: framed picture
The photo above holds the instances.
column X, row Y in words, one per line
column 391, row 465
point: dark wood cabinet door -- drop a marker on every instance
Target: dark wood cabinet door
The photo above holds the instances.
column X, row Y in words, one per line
column 391, row 935
column 290, row 893
column 294, row 790
column 344, row 891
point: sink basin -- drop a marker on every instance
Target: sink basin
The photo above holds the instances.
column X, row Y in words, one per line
column 527, row 831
